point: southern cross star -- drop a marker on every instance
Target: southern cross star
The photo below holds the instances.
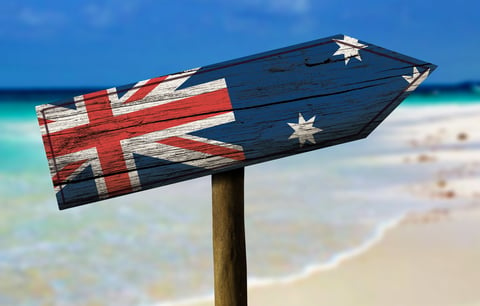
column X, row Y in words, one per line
column 304, row 130
column 349, row 47
column 416, row 78
column 409, row 78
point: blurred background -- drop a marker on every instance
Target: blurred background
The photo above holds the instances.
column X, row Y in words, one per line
column 92, row 43
column 155, row 246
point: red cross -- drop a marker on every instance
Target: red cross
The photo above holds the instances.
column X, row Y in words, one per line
column 105, row 131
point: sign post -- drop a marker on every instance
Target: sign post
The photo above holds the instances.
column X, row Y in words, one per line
column 229, row 254
column 217, row 119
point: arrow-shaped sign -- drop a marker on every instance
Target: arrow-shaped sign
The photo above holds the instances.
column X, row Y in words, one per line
column 221, row 117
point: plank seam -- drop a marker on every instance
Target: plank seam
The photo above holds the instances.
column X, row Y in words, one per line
column 249, row 61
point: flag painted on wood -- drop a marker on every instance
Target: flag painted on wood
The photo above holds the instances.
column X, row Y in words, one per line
column 223, row 116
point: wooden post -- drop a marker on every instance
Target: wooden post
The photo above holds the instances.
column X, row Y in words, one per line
column 229, row 255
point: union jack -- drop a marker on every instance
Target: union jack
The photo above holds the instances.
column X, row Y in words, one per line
column 103, row 134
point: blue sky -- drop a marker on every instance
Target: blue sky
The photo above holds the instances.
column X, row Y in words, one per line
column 105, row 43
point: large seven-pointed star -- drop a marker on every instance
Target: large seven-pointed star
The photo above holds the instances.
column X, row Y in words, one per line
column 304, row 130
column 349, row 47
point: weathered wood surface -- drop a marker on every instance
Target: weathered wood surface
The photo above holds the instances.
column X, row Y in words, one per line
column 229, row 254
column 221, row 117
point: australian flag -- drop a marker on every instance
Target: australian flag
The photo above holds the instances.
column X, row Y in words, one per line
column 223, row 116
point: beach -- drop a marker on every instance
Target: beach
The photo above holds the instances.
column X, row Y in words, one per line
column 418, row 263
column 427, row 258
column 390, row 220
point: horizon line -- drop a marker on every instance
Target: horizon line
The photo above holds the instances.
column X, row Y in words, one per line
column 100, row 87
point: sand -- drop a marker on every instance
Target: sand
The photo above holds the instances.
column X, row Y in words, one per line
column 429, row 259
column 420, row 262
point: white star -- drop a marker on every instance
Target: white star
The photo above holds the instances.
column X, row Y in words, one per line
column 410, row 79
column 304, row 130
column 416, row 78
column 349, row 47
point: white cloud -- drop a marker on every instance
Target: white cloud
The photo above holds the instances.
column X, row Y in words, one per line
column 292, row 6
column 99, row 16
column 253, row 16
column 274, row 6
column 110, row 13
column 38, row 18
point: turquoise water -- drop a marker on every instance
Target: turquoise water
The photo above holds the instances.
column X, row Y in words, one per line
column 444, row 98
column 142, row 249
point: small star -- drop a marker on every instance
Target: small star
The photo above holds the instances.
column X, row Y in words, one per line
column 410, row 79
column 416, row 78
column 304, row 130
column 349, row 47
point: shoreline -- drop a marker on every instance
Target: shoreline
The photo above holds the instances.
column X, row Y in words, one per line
column 430, row 259
column 307, row 272
column 405, row 266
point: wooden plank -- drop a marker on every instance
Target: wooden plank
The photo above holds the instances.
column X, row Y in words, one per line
column 222, row 117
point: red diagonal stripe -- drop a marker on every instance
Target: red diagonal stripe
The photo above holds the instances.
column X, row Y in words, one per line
column 203, row 147
column 62, row 175
column 43, row 121
column 143, row 91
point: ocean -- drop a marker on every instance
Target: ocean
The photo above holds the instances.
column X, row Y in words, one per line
column 303, row 214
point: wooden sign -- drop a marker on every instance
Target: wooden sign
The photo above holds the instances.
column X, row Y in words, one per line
column 222, row 117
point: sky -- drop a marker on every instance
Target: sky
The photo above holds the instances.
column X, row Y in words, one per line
column 108, row 43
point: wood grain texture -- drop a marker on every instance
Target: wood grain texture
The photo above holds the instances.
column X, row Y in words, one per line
column 221, row 117
column 229, row 254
